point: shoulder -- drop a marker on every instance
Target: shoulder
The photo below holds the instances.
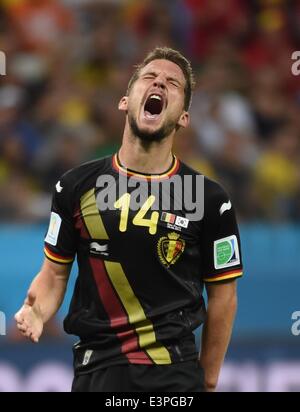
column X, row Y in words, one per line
column 77, row 181
column 75, row 177
column 186, row 170
column 213, row 190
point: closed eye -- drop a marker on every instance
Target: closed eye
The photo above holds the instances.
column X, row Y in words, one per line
column 149, row 76
column 171, row 80
column 174, row 82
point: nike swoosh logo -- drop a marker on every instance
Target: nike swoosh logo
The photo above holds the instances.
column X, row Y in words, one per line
column 59, row 188
column 224, row 207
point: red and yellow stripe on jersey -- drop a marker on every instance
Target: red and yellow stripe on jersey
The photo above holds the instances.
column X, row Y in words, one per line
column 138, row 342
column 130, row 173
column 57, row 258
column 223, row 276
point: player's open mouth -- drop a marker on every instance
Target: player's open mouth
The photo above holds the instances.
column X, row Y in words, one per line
column 153, row 106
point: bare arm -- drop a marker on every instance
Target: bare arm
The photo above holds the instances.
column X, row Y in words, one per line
column 43, row 300
column 222, row 304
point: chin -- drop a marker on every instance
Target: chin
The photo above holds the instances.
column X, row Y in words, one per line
column 147, row 133
column 150, row 135
column 150, row 129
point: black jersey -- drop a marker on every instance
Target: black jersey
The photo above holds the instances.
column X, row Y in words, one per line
column 138, row 295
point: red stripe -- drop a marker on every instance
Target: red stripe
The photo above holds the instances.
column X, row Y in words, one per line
column 139, row 358
column 226, row 274
column 80, row 225
column 172, row 219
column 178, row 247
column 117, row 315
column 58, row 256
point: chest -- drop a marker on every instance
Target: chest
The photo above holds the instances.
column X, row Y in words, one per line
column 135, row 221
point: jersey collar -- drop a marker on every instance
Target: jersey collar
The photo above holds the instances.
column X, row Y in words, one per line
column 132, row 173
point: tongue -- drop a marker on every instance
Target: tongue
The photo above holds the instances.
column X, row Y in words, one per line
column 150, row 115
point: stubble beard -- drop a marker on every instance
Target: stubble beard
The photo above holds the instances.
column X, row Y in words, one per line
column 148, row 137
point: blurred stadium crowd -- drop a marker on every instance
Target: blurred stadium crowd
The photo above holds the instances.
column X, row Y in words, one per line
column 68, row 64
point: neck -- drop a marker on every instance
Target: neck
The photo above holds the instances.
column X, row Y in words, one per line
column 145, row 157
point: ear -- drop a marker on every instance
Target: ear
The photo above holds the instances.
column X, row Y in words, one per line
column 123, row 104
column 184, row 120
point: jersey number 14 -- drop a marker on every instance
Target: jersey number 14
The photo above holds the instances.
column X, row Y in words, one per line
column 139, row 219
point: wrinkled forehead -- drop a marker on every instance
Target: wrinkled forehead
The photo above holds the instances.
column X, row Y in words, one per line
column 165, row 67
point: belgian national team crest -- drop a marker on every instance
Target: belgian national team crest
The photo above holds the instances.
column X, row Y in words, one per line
column 170, row 248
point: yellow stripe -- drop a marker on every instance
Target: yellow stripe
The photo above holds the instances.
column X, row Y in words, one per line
column 158, row 353
column 91, row 216
column 145, row 175
column 226, row 276
column 136, row 314
column 171, row 250
column 50, row 256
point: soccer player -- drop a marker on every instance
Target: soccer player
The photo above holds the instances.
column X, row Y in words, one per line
column 144, row 254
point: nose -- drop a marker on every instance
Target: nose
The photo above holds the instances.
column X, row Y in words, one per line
column 160, row 82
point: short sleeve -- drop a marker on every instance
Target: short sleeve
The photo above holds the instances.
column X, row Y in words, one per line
column 221, row 245
column 60, row 240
